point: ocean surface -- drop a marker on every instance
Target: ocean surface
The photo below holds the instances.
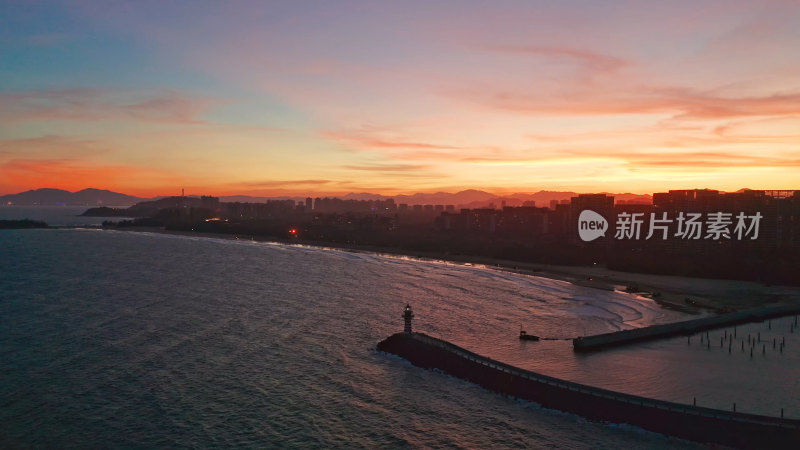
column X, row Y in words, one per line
column 119, row 339
column 54, row 215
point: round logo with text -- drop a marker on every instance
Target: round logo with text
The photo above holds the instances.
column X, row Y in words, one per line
column 591, row 225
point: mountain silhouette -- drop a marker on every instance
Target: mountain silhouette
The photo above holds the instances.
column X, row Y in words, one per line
column 49, row 196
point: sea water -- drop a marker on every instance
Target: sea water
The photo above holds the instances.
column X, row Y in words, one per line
column 139, row 340
column 54, row 215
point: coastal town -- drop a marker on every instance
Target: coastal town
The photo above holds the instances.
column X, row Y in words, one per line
column 747, row 235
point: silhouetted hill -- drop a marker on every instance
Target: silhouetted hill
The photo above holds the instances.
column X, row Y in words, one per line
column 47, row 196
column 101, row 196
column 255, row 199
column 243, row 199
column 365, row 196
column 148, row 208
column 446, row 198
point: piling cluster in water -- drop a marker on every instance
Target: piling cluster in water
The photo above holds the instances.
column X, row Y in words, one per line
column 748, row 343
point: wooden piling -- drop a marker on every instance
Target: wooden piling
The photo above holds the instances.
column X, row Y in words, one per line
column 701, row 326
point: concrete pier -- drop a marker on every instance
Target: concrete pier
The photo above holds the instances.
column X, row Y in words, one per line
column 688, row 327
column 691, row 422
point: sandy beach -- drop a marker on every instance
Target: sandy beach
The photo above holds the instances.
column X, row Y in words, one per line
column 684, row 293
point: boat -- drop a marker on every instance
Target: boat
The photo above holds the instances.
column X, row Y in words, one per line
column 523, row 336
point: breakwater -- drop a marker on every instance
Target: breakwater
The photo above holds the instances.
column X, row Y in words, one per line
column 688, row 327
column 689, row 422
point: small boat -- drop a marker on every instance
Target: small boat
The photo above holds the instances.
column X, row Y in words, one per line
column 523, row 336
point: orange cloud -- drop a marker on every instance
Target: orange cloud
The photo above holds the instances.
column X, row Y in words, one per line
column 283, row 183
column 724, row 161
column 365, row 140
column 387, row 167
column 52, row 147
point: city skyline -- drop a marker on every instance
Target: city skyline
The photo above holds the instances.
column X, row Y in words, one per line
column 272, row 99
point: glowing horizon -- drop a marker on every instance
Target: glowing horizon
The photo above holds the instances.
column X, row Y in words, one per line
column 277, row 98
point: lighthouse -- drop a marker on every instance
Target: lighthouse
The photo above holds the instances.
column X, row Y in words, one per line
column 407, row 316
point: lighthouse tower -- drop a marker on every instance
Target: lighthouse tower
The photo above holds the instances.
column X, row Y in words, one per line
column 407, row 316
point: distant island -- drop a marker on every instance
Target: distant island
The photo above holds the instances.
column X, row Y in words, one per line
column 53, row 197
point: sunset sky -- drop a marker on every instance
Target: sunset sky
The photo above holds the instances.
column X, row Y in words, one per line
column 294, row 97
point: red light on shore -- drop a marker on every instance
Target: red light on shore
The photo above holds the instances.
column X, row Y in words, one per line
column 293, row 231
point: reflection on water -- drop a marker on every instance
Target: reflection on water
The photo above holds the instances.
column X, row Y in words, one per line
column 669, row 369
column 140, row 340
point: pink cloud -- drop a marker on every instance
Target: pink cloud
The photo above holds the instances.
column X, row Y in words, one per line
column 597, row 62
column 366, row 140
column 680, row 102
column 100, row 104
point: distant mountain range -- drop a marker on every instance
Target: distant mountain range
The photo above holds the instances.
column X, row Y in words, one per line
column 86, row 197
column 470, row 198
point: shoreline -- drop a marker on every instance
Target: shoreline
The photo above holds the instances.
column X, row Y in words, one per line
column 686, row 294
